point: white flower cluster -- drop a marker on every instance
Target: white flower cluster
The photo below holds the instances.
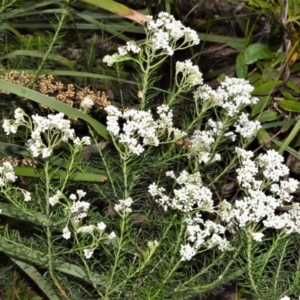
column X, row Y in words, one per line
column 272, row 162
column 53, row 200
column 232, row 95
column 246, row 128
column 52, row 128
column 90, row 229
column 208, row 97
column 77, row 210
column 263, row 197
column 257, row 236
column 140, row 129
column 124, row 206
column 236, row 95
column 165, row 32
column 11, row 126
column 200, row 234
column 263, row 190
column 190, row 74
column 190, row 197
column 162, row 34
column 202, row 142
column 7, row 174
column 131, row 46
column 86, row 103
column 192, row 194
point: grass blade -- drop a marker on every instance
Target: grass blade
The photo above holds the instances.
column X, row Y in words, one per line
column 33, row 53
column 80, row 176
column 119, row 9
column 45, row 286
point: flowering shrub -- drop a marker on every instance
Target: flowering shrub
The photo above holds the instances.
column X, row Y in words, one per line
column 144, row 234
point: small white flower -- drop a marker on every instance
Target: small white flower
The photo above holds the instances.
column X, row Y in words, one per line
column 66, row 233
column 73, row 197
column 273, row 165
column 88, row 253
column 86, row 103
column 191, row 74
column 46, row 152
column 27, row 196
column 124, row 205
column 257, row 236
column 78, row 206
column 246, row 128
column 55, row 198
column 86, row 229
column 7, row 174
column 152, row 244
column 101, row 226
column 112, row 235
column 131, row 46
column 80, row 193
column 187, row 252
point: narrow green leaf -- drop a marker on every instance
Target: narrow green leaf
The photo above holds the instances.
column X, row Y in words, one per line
column 7, row 26
column 287, row 148
column 55, row 104
column 290, row 105
column 279, row 59
column 268, row 116
column 80, row 176
column 26, row 7
column 22, row 252
column 31, row 256
column 254, row 77
column 79, row 74
column 241, row 68
column 257, row 51
column 9, row 210
column 105, row 27
column 292, row 86
column 33, row 53
column 110, row 5
column 237, row 45
column 265, row 88
column 290, row 137
column 269, row 74
column 288, row 96
column 263, row 137
column 284, row 125
column 119, row 9
column 13, row 149
column 45, row 286
column 295, row 68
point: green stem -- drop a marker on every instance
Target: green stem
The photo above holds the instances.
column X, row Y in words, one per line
column 145, row 79
column 125, row 176
column 54, row 40
column 87, row 268
column 250, row 264
column 49, row 233
column 221, row 277
column 120, row 244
